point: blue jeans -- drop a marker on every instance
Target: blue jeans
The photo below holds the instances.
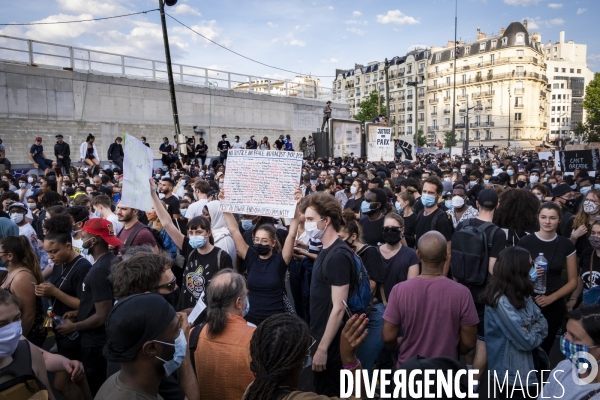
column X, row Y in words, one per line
column 369, row 350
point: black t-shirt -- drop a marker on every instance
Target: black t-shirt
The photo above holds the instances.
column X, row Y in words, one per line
column 443, row 225
column 68, row 279
column 172, row 203
column 498, row 244
column 473, row 193
column 95, row 288
column 582, row 243
column 373, row 263
column 418, row 206
column 279, row 144
column 555, row 251
column 224, row 145
column 354, row 204
column 410, row 225
column 265, row 284
column 396, row 268
column 372, row 231
column 251, row 144
column 337, row 272
column 201, row 148
column 584, row 264
column 36, row 149
column 198, row 272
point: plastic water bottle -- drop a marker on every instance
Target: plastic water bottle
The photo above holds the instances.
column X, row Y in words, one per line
column 539, row 286
column 59, row 321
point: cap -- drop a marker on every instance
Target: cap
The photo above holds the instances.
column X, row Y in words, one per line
column 103, row 228
column 70, row 191
column 561, row 190
column 488, row 198
column 535, row 170
column 38, row 138
column 313, row 176
column 58, row 136
column 447, row 193
column 19, row 205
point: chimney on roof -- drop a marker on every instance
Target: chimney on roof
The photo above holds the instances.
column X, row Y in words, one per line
column 450, row 44
column 502, row 30
column 480, row 35
column 562, row 36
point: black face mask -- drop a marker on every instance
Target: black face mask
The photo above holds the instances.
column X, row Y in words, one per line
column 569, row 203
column 262, row 249
column 521, row 184
column 351, row 245
column 391, row 236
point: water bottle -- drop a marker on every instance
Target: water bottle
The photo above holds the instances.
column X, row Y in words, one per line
column 59, row 321
column 539, row 287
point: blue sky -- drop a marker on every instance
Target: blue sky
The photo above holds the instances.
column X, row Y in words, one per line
column 307, row 36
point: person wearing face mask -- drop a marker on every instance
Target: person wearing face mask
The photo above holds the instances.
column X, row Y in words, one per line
column 513, row 322
column 373, row 209
column 236, row 143
column 228, row 304
column 578, row 226
column 534, row 177
column 266, row 263
column 589, row 264
column 357, row 190
column 574, row 375
column 101, row 205
column 223, row 147
column 146, row 336
column 404, row 205
column 511, row 171
column 540, row 191
column 459, row 210
column 95, row 302
column 566, row 198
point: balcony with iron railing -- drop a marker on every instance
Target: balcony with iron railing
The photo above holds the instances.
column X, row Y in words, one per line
column 432, row 128
column 518, row 122
column 421, row 120
column 421, row 108
column 401, row 109
column 409, row 109
column 421, row 95
column 475, row 125
column 446, row 112
column 410, row 96
column 517, row 106
column 434, row 113
column 433, row 101
column 447, row 98
column 488, row 108
column 519, row 90
column 459, row 126
column 488, row 93
column 421, row 70
column 487, row 124
column 401, row 98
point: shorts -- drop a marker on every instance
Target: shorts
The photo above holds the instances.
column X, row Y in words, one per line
column 480, row 307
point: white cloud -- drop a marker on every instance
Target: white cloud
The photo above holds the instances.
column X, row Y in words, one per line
column 330, row 8
column 523, row 3
column 359, row 32
column 332, row 60
column 54, row 33
column 210, row 29
column 275, row 76
column 396, row 17
column 532, row 24
column 555, row 5
column 104, row 7
column 296, row 42
column 272, row 25
column 581, row 11
column 184, row 9
column 537, row 23
column 593, row 57
column 555, row 22
column 356, row 13
column 355, row 22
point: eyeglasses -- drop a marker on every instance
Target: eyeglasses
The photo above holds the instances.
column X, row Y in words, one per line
column 169, row 286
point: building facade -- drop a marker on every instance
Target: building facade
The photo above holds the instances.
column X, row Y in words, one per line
column 568, row 76
column 305, row 87
column 501, row 90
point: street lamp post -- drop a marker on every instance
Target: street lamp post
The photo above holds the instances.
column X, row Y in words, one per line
column 467, row 109
column 163, row 21
column 509, row 116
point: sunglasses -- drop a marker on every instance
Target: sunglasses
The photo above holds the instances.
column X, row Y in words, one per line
column 169, row 286
column 392, row 229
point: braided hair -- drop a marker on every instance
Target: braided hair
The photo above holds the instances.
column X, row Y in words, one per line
column 278, row 346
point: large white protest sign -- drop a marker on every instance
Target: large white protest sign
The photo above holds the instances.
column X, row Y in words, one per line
column 384, row 137
column 346, row 138
column 380, row 146
column 137, row 171
column 262, row 182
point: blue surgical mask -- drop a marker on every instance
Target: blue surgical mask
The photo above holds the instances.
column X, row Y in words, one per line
column 494, row 167
column 183, row 182
column 165, row 169
column 197, row 241
column 247, row 310
column 365, row 208
column 398, row 207
column 247, row 224
column 180, row 348
column 473, row 183
column 486, row 181
column 182, row 211
column 533, row 274
column 597, row 186
column 220, row 186
column 570, row 349
column 585, row 190
column 510, row 172
column 448, row 204
column 428, row 200
column 22, row 185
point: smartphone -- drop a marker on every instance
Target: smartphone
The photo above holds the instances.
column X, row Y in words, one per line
column 348, row 312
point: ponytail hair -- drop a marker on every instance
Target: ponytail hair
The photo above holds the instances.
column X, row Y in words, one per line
column 270, row 229
column 89, row 136
column 220, row 296
column 20, row 248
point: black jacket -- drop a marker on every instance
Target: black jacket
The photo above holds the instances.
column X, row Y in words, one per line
column 115, row 150
column 62, row 149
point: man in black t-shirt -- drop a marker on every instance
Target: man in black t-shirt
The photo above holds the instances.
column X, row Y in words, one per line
column 166, row 187
column 487, row 202
column 279, row 143
column 96, row 300
column 251, row 144
column 223, row 147
column 433, row 218
column 330, row 285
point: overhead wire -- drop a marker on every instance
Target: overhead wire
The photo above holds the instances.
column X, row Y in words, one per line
column 80, row 20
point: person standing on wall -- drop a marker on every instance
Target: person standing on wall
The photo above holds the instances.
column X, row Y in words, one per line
column 62, row 151
column 252, row 144
column 326, row 114
column 115, row 153
column 223, row 147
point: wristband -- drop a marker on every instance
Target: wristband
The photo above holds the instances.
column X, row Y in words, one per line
column 353, row 365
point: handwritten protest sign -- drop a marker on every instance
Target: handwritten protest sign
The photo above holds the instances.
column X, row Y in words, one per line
column 384, row 137
column 377, row 150
column 569, row 161
column 261, row 182
column 346, row 137
column 137, row 171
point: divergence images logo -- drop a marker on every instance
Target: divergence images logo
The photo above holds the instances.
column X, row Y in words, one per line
column 583, row 361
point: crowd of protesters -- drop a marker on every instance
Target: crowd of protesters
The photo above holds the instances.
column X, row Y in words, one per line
column 107, row 290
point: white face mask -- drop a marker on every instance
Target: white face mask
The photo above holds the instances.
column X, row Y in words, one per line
column 463, row 171
column 458, row 202
column 313, row 231
column 16, row 218
column 533, row 179
column 354, row 173
column 353, row 189
column 9, row 338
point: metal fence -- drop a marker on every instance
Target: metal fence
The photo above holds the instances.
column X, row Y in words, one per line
column 59, row 56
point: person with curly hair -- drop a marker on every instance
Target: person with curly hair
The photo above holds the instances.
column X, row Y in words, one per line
column 517, row 214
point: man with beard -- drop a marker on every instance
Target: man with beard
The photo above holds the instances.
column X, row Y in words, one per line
column 134, row 233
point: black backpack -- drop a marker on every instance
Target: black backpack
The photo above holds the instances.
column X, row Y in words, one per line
column 471, row 252
column 436, row 215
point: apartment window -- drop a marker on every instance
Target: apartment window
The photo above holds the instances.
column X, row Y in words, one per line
column 555, row 69
column 482, row 46
column 520, row 70
column 555, row 86
column 518, row 116
column 563, row 70
column 578, row 71
column 488, row 134
column 435, row 123
column 572, row 70
column 409, row 69
column 494, row 44
column 422, row 66
column 518, row 101
column 447, row 94
column 520, row 53
column 409, row 129
column 464, row 79
column 517, row 133
column 447, row 80
column 492, row 58
column 520, row 38
column 467, row 50
column 437, row 58
column 504, row 41
column 490, row 89
column 434, row 112
column 480, row 61
column 452, row 54
column 446, row 121
column 463, row 92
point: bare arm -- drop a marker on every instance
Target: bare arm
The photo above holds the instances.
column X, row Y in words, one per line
column 165, row 218
column 241, row 247
column 98, row 319
column 389, row 334
column 338, row 293
column 39, row 367
column 288, row 248
column 468, row 338
column 413, row 271
column 491, row 265
column 22, row 288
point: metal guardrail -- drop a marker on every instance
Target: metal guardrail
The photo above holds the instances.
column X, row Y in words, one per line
column 59, row 56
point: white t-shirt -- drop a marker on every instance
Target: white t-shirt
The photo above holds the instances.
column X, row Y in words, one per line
column 195, row 209
column 237, row 145
column 27, row 230
column 114, row 220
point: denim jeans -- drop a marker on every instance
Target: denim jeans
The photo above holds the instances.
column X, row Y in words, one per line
column 369, row 350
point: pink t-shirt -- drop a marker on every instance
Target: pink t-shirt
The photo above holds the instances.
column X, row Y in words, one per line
column 430, row 312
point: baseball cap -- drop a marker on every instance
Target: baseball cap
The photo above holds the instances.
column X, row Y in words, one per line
column 313, row 176
column 488, row 198
column 38, row 138
column 447, row 193
column 59, row 136
column 18, row 204
column 561, row 190
column 103, row 228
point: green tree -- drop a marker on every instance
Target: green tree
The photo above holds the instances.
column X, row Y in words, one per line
column 420, row 139
column 368, row 108
column 590, row 130
column 449, row 140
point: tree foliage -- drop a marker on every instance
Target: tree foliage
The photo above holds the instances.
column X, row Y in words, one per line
column 420, row 139
column 368, row 108
column 590, row 129
column 449, row 140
